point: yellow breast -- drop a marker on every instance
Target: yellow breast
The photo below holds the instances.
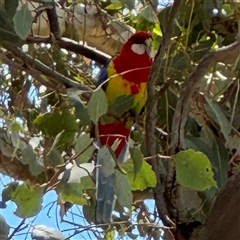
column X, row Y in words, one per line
column 118, row 86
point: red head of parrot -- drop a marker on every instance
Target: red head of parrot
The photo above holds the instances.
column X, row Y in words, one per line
column 135, row 60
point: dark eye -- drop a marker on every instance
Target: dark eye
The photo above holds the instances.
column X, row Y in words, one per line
column 139, row 40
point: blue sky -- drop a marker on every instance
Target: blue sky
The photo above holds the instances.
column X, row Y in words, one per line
column 49, row 216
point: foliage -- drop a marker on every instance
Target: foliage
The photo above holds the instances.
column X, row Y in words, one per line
column 49, row 102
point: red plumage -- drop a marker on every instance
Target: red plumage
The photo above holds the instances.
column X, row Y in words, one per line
column 129, row 60
column 109, row 133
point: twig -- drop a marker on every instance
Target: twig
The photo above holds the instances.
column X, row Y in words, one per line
column 16, row 229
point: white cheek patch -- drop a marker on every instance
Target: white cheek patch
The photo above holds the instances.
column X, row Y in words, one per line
column 138, row 48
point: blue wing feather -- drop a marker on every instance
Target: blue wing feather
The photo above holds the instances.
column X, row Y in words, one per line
column 103, row 76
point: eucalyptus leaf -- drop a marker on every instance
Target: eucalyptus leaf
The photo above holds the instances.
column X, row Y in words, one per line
column 23, row 20
column 137, row 158
column 145, row 177
column 11, row 7
column 81, row 109
column 233, row 140
column 84, row 148
column 28, row 199
column 123, row 190
column 97, row 105
column 121, row 105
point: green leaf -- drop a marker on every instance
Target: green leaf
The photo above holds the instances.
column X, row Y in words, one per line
column 129, row 3
column 72, row 192
column 57, row 140
column 54, row 157
column 16, row 141
column 110, row 234
column 228, row 9
column 106, row 160
column 7, row 32
column 123, row 190
column 16, row 126
column 29, row 157
column 28, row 199
column 81, row 110
column 194, row 170
column 89, row 212
column 136, row 156
column 145, row 177
column 205, row 13
column 85, row 147
column 149, row 14
column 180, row 62
column 52, row 123
column 157, row 30
column 87, row 183
column 6, row 193
column 214, row 149
column 233, row 141
column 23, row 22
column 202, row 48
column 114, row 6
column 121, row 105
column 97, row 105
column 11, row 7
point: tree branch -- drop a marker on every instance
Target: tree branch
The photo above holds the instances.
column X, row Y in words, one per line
column 152, row 115
column 73, row 46
column 53, row 20
column 224, row 215
column 35, row 74
column 225, row 55
column 37, row 65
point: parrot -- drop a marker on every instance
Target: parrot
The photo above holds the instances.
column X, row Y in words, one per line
column 124, row 75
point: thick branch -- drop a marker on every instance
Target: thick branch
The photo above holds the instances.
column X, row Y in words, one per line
column 75, row 47
column 223, row 221
column 225, row 55
column 53, row 20
column 152, row 115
